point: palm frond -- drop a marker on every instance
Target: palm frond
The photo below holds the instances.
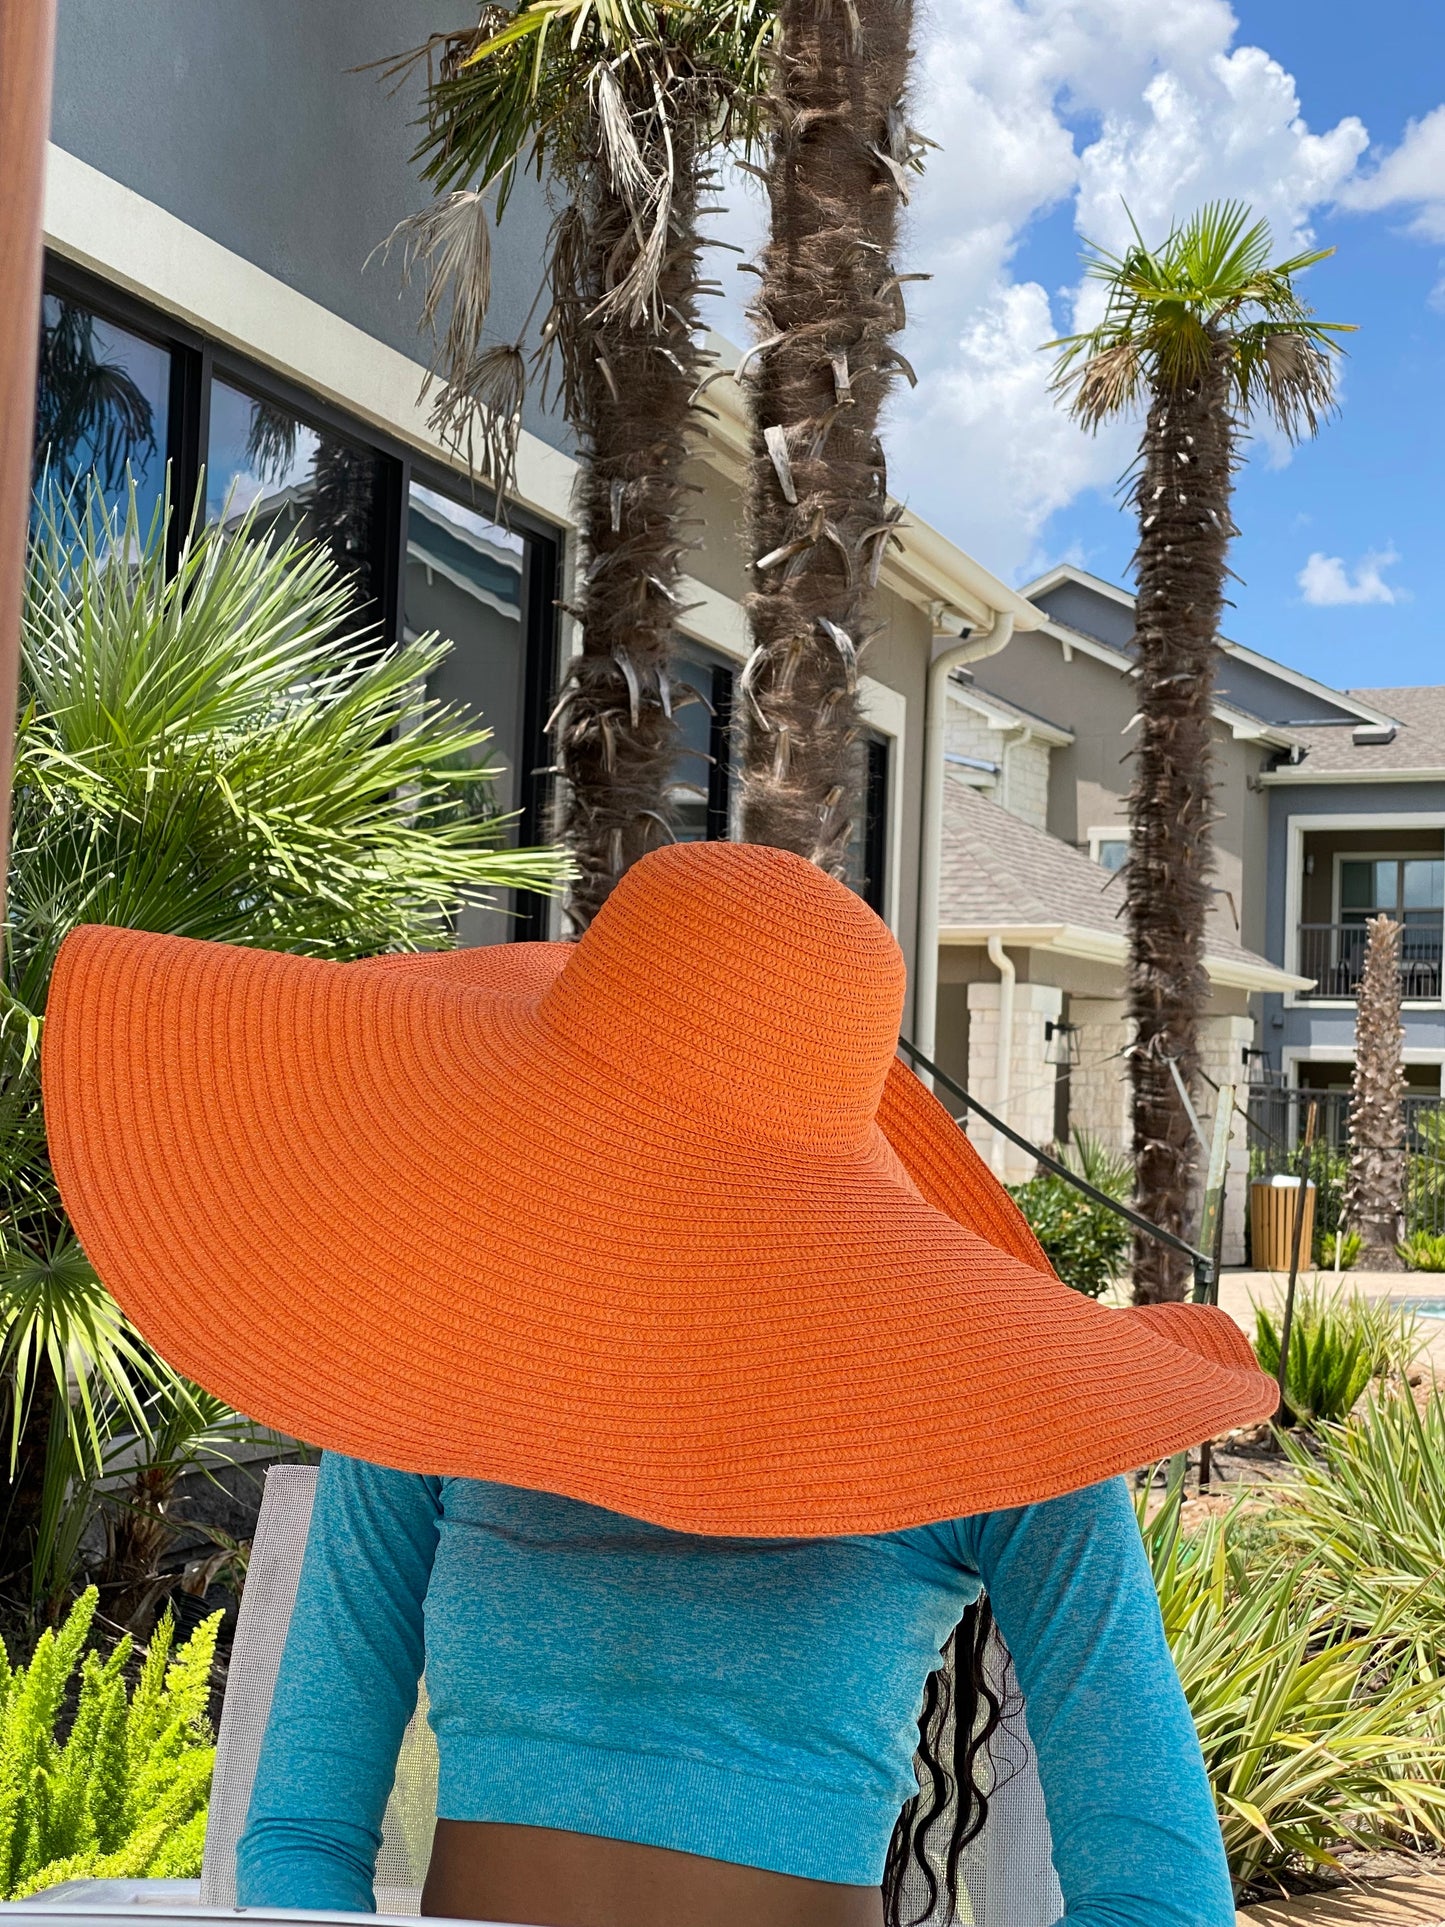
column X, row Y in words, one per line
column 1208, row 300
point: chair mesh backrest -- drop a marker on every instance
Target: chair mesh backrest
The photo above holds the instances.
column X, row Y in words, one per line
column 265, row 1617
column 1008, row 1873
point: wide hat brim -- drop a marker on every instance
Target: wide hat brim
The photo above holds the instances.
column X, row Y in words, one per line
column 398, row 1210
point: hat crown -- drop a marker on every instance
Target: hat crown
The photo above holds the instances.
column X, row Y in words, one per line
column 745, row 983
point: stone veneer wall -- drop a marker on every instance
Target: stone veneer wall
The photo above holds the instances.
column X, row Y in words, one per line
column 1030, row 1105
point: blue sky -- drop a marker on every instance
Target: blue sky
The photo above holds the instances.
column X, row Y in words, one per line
column 1329, row 118
column 1375, row 479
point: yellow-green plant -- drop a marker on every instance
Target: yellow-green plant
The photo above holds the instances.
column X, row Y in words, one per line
column 125, row 1793
column 1366, row 1511
column 1314, row 1735
column 1424, row 1250
column 1338, row 1342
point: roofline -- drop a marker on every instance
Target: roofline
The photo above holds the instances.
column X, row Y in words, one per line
column 1243, row 726
column 1300, row 774
column 1009, row 714
column 1107, row 946
column 1068, row 572
column 1338, row 698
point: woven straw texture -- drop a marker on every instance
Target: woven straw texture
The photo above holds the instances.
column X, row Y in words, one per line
column 626, row 1230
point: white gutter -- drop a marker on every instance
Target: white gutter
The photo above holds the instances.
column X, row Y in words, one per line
column 1003, row 1064
column 1111, row 947
column 930, row 872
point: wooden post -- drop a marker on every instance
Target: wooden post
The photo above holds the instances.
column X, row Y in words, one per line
column 1211, row 1225
column 27, row 51
column 1301, row 1200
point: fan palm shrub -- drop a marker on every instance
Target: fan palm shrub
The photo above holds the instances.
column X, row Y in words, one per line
column 125, row 1793
column 1316, row 1733
column 840, row 158
column 213, row 751
column 623, row 104
column 1204, row 333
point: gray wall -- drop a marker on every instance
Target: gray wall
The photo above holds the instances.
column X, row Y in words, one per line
column 1306, row 1024
column 243, row 118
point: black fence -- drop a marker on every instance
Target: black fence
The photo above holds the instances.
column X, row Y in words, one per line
column 1333, row 954
column 1278, row 1124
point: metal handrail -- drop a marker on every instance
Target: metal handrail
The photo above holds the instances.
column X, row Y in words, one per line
column 1206, row 1276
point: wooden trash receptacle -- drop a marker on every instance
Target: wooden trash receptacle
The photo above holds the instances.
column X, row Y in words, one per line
column 1272, row 1204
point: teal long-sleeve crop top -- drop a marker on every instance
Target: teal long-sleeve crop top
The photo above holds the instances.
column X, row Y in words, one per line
column 753, row 1700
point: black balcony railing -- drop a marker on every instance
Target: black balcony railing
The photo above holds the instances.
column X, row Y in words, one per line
column 1334, row 955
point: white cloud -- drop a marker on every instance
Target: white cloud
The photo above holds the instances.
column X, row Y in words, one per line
column 1083, row 106
column 1411, row 175
column 1325, row 583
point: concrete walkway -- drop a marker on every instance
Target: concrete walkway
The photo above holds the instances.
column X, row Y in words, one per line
column 1240, row 1291
column 1405, row 1901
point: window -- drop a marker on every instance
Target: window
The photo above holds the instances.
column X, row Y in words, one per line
column 464, row 580
column 868, row 851
column 1410, row 889
column 262, row 456
column 703, row 784
column 102, row 406
column 1109, row 848
column 120, row 385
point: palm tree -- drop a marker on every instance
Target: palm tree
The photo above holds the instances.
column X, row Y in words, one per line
column 623, row 103
column 1375, row 1188
column 1206, row 333
column 199, row 753
column 827, row 308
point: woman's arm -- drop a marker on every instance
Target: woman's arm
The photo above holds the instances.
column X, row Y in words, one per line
column 345, row 1691
column 1136, row 1840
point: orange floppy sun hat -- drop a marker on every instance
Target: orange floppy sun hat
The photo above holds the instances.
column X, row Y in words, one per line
column 656, row 1220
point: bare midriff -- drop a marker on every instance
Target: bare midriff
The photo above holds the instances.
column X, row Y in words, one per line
column 540, row 1877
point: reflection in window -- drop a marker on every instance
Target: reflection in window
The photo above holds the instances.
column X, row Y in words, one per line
column 464, row 581
column 102, row 406
column 1409, row 889
column 700, row 793
column 297, row 477
column 1112, row 852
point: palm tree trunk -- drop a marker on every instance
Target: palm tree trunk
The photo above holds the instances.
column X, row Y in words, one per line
column 629, row 385
column 1182, row 495
column 826, row 312
column 1375, row 1188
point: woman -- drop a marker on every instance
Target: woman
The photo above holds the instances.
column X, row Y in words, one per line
column 717, row 1376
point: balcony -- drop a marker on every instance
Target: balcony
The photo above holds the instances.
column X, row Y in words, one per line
column 1334, row 955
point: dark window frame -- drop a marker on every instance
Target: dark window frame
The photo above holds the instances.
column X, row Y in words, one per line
column 877, row 782
column 197, row 360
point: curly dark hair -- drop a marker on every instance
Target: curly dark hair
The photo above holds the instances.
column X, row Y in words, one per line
column 966, row 1705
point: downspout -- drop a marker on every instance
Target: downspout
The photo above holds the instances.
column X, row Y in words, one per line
column 930, row 865
column 1003, row 1070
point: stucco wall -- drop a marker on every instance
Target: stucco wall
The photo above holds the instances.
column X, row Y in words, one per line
column 244, row 119
column 1329, row 1030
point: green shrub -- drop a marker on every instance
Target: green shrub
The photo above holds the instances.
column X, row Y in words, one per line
column 1326, row 1258
column 125, row 1793
column 1366, row 1509
column 1338, row 1343
column 1424, row 1251
column 1314, row 1733
column 1086, row 1243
